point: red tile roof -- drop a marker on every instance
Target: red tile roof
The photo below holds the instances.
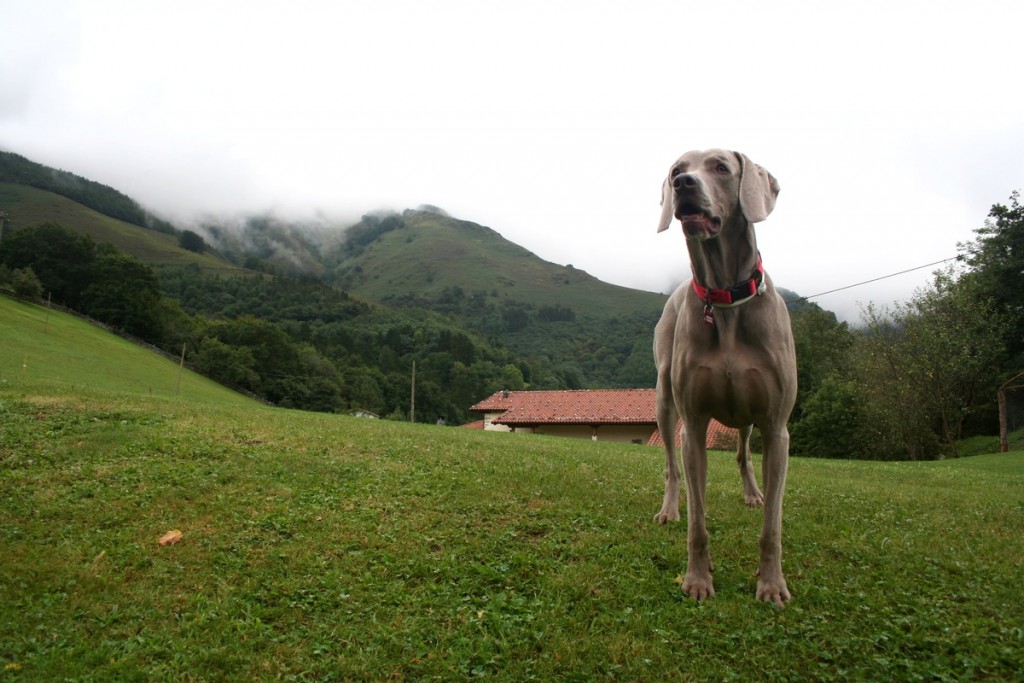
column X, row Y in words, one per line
column 588, row 406
column 720, row 437
column 591, row 407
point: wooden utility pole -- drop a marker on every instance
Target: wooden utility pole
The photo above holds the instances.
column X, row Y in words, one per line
column 181, row 367
column 412, row 399
column 1001, row 396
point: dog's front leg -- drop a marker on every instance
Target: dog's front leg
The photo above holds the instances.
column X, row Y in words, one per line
column 697, row 583
column 667, row 421
column 771, row 584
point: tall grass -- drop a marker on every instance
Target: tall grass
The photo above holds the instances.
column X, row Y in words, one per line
column 319, row 547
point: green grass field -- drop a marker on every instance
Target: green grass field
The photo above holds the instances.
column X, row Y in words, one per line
column 319, row 547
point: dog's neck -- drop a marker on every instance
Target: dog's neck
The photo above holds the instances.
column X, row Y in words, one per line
column 726, row 260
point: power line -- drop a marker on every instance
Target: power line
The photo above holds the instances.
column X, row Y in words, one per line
column 866, row 282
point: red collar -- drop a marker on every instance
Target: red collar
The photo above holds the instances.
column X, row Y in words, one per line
column 734, row 296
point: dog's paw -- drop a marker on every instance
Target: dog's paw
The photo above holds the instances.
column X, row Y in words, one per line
column 754, row 500
column 773, row 591
column 666, row 516
column 697, row 587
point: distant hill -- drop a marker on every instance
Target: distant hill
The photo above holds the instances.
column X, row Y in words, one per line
column 28, row 207
column 15, row 168
column 425, row 256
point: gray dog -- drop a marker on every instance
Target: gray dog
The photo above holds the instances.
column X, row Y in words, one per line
column 724, row 350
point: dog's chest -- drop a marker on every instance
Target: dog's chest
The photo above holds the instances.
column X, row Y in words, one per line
column 732, row 383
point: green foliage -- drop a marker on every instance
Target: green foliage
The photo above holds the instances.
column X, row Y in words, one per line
column 832, row 423
column 823, row 347
column 371, row 227
column 931, row 361
column 60, row 258
column 920, row 377
column 351, row 356
column 26, row 284
column 996, row 259
column 97, row 280
column 229, row 365
column 124, row 292
column 192, row 241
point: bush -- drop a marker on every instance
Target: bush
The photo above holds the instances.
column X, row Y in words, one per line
column 192, row 241
column 830, row 426
column 25, row 284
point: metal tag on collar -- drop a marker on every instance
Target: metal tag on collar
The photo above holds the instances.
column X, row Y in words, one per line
column 762, row 287
column 709, row 314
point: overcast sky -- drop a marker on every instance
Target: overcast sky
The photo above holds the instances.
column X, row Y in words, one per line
column 891, row 126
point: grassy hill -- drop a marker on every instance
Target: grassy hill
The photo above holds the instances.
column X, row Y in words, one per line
column 432, row 253
column 28, row 207
column 46, row 351
column 320, row 547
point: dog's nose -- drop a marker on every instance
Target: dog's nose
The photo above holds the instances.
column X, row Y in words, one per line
column 684, row 180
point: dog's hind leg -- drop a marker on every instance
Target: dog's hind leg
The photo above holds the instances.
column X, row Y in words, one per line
column 751, row 494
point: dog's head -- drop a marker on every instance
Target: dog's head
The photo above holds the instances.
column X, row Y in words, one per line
column 708, row 190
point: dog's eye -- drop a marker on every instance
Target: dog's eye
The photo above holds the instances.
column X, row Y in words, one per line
column 722, row 168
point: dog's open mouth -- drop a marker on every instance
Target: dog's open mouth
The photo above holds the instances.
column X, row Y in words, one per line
column 698, row 224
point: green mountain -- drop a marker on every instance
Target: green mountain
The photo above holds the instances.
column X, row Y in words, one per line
column 557, row 314
column 422, row 256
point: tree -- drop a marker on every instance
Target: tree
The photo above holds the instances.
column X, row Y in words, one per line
column 232, row 365
column 124, row 292
column 833, row 421
column 996, row 260
column 823, row 346
column 931, row 361
column 60, row 258
column 899, row 422
column 25, row 283
column 192, row 241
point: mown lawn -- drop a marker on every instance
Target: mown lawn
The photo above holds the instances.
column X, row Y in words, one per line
column 319, row 547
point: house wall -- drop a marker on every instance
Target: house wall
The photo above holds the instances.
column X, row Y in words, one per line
column 619, row 433
column 489, row 424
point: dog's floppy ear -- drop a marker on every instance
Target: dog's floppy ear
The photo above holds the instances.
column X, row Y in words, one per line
column 758, row 190
column 667, row 207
